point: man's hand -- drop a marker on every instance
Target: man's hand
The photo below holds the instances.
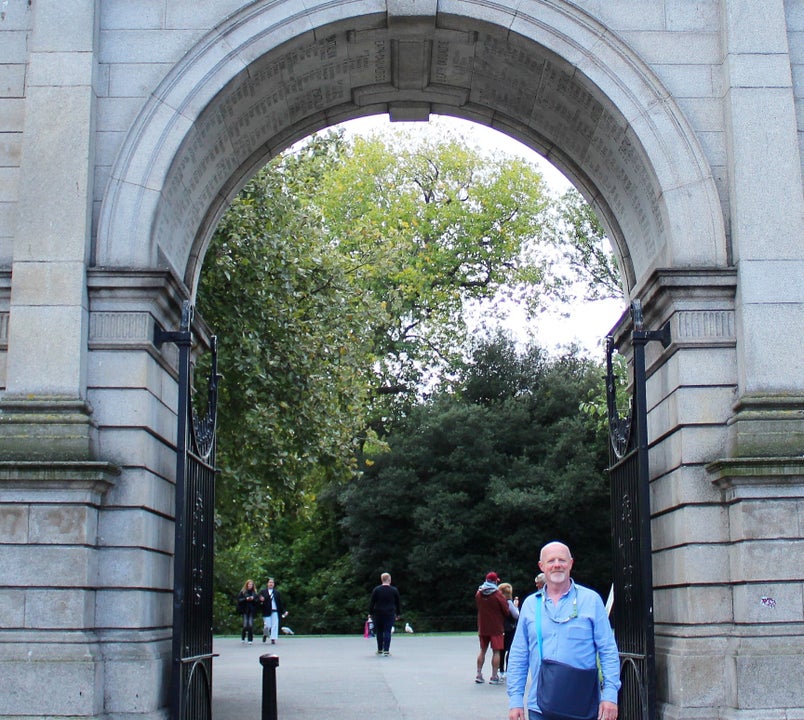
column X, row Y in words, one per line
column 516, row 714
column 607, row 711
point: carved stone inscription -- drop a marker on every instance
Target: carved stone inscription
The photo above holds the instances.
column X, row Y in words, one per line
column 548, row 95
column 272, row 96
column 527, row 84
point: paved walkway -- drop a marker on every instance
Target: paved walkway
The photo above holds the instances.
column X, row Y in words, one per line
column 341, row 678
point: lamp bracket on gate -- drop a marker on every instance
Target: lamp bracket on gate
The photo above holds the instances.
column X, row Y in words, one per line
column 180, row 337
column 645, row 336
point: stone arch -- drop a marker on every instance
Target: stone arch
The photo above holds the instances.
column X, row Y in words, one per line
column 544, row 72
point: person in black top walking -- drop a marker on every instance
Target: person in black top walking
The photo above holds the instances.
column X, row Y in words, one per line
column 248, row 601
column 384, row 609
column 273, row 610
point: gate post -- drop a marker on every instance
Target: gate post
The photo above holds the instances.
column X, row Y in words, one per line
column 190, row 691
column 631, row 531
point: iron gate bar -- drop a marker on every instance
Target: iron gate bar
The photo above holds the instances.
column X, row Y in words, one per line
column 190, row 695
column 630, row 481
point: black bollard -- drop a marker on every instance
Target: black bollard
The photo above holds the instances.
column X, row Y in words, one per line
column 269, row 664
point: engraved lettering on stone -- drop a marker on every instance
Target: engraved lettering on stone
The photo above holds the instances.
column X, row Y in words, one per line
column 380, row 61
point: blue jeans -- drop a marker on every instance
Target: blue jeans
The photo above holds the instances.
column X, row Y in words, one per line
column 248, row 625
column 533, row 715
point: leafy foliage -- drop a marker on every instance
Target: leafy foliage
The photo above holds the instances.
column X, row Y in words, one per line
column 480, row 479
column 337, row 284
column 586, row 267
column 331, row 313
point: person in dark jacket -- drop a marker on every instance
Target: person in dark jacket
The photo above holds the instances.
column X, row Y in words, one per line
column 384, row 609
column 273, row 610
column 248, row 601
column 492, row 609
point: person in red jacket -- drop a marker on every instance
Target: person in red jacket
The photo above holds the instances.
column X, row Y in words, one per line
column 492, row 609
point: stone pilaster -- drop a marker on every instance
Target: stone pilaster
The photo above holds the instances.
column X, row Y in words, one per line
column 767, row 225
column 48, row 314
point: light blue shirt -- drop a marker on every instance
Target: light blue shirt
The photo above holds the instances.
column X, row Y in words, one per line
column 575, row 631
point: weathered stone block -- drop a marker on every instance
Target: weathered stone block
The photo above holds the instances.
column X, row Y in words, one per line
column 34, row 565
column 769, row 602
column 692, row 605
column 132, row 407
column 183, row 16
column 767, row 517
column 49, row 283
column 51, row 608
column 702, row 48
column 140, row 487
column 12, row 608
column 12, row 81
column 134, row 567
column 691, row 564
column 13, row 523
column 61, row 69
column 122, row 15
column 692, row 17
column 767, row 561
column 690, row 444
column 694, row 676
column 135, row 80
column 688, row 484
column 768, row 673
column 137, row 528
column 73, row 687
column 129, row 46
column 137, row 676
column 63, row 524
column 696, row 524
column 133, row 608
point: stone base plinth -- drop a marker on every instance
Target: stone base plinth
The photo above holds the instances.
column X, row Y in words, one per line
column 46, row 428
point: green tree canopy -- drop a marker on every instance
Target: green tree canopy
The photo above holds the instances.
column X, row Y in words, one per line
column 480, row 478
column 336, row 284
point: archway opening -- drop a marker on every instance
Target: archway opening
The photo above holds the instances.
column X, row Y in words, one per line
column 536, row 369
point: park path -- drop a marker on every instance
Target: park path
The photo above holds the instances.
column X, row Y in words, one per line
column 341, row 678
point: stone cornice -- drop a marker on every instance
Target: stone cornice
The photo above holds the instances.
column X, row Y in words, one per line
column 59, row 481
column 741, row 478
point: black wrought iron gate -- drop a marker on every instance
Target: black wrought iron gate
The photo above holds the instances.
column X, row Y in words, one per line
column 629, row 473
column 191, row 673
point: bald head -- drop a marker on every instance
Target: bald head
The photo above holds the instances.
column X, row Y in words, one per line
column 553, row 547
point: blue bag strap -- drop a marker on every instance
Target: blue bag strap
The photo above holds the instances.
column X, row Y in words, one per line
column 539, row 622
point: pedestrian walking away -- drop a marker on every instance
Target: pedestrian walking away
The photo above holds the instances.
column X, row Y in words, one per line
column 509, row 624
column 492, row 609
column 564, row 641
column 385, row 608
